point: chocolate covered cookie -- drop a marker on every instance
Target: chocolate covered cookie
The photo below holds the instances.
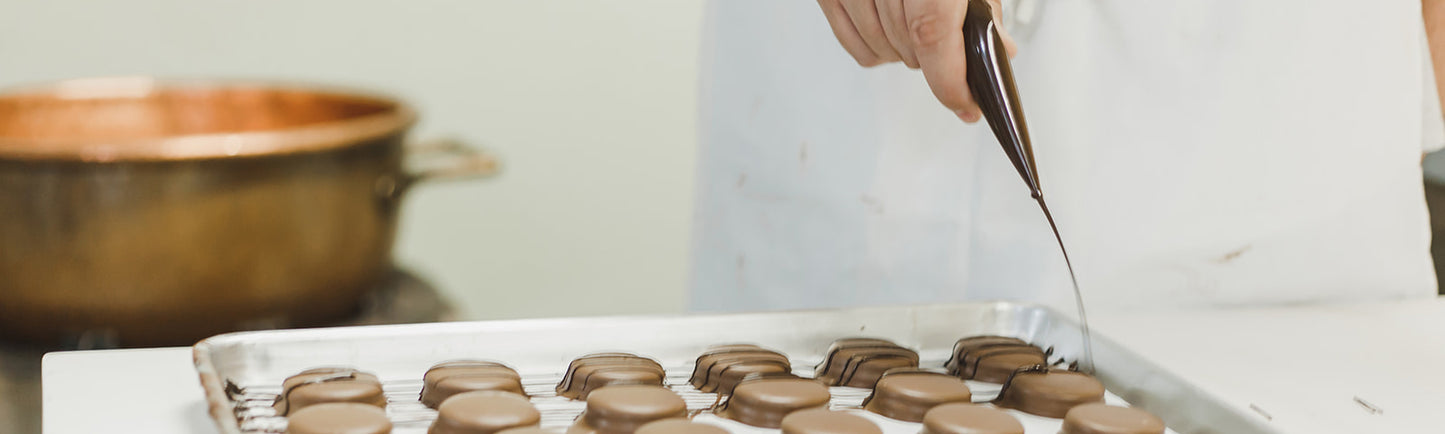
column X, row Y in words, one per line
column 625, row 408
column 484, row 412
column 908, row 395
column 450, row 378
column 765, row 402
column 324, row 385
column 961, row 418
column 338, row 418
column 860, row 362
column 1049, row 392
column 592, row 372
column 1099, row 418
column 824, row 421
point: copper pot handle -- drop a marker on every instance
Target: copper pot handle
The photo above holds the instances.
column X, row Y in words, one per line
column 438, row 160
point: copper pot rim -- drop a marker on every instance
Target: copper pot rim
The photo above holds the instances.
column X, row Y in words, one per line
column 312, row 138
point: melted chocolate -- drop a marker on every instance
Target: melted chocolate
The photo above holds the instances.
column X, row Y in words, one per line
column 991, row 81
column 1088, row 362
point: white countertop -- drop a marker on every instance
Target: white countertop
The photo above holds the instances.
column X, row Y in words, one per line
column 1303, row 366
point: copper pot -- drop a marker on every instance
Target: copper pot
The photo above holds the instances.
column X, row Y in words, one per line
column 160, row 212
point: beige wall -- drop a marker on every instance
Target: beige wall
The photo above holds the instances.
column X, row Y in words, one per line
column 590, row 103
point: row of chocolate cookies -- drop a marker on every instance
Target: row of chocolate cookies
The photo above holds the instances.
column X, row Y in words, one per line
column 943, row 402
column 1031, row 386
column 769, row 395
column 1074, row 396
column 466, row 392
column 478, row 397
column 624, row 394
column 1096, row 418
column 760, row 398
column 762, row 391
column 758, row 380
column 798, row 406
column 968, row 418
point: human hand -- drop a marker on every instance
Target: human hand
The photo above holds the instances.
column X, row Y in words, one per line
column 923, row 34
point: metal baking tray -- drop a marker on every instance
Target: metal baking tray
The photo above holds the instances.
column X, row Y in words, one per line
column 242, row 372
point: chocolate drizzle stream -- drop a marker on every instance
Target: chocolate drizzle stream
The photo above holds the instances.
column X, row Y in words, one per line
column 1088, row 365
column 991, row 81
